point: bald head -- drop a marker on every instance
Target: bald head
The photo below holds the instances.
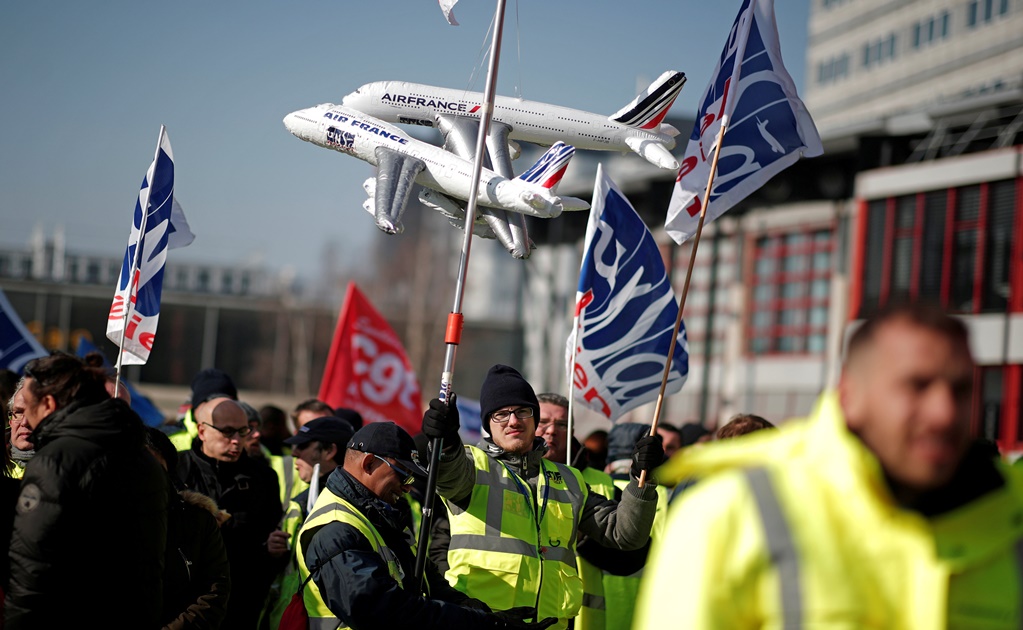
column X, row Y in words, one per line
column 223, row 425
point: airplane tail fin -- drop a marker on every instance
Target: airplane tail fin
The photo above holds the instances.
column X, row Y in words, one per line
column 550, row 168
column 648, row 109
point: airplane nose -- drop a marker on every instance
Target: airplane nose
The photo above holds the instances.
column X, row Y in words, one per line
column 291, row 123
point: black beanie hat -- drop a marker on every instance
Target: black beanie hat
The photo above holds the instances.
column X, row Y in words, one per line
column 210, row 383
column 505, row 386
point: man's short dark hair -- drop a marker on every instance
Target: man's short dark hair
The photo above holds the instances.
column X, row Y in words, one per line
column 922, row 313
column 742, row 424
column 553, row 399
column 313, row 404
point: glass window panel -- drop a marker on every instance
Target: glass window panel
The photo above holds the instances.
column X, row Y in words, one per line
column 791, row 290
column 902, row 268
column 818, row 316
column 968, row 203
column 763, row 293
column 1001, row 207
column 796, row 239
column 790, row 343
column 792, row 317
column 987, row 10
column 794, row 263
column 819, row 289
column 759, row 345
column 905, row 212
column 963, row 258
column 765, row 266
column 822, row 261
column 916, row 35
column 821, row 237
column 944, row 24
column 971, row 14
column 932, row 250
column 762, row 319
column 816, row 344
column 873, row 258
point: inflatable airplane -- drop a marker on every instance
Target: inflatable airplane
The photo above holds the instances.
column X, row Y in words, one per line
column 443, row 177
column 636, row 127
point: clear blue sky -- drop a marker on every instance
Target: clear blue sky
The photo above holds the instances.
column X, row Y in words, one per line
column 86, row 86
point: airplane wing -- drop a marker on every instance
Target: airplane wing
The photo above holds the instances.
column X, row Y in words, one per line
column 460, row 135
column 396, row 176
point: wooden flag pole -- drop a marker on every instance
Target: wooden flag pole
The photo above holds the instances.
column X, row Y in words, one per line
column 453, row 332
column 685, row 287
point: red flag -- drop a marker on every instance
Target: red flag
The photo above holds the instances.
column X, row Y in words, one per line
column 368, row 369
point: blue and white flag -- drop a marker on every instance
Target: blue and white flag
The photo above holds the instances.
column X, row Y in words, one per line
column 625, row 311
column 141, row 281
column 140, row 404
column 17, row 345
column 768, row 126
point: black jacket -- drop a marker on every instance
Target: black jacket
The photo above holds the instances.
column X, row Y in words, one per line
column 91, row 524
column 197, row 578
column 355, row 583
column 247, row 490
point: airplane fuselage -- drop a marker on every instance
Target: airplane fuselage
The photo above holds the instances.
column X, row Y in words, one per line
column 530, row 121
column 361, row 135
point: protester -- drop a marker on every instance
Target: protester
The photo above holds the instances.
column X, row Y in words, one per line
column 274, row 428
column 355, row 546
column 873, row 512
column 20, row 443
column 207, row 385
column 601, row 607
column 671, row 437
column 92, row 514
column 491, row 491
column 742, row 424
column 218, row 467
column 738, row 425
column 596, row 446
column 10, row 487
column 319, row 443
column 694, row 433
column 197, row 575
column 310, row 410
column 253, row 445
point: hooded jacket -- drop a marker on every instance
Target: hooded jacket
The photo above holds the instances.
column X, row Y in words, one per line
column 91, row 523
column 798, row 528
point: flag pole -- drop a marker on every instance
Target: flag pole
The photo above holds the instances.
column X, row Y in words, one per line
column 453, row 331
column 685, row 287
column 128, row 302
column 571, row 386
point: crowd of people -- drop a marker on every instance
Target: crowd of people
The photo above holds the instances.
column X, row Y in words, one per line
column 878, row 510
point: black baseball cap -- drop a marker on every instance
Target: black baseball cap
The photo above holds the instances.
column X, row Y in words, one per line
column 212, row 383
column 387, row 439
column 326, row 429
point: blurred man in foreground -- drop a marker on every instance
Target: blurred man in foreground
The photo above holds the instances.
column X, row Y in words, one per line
column 874, row 511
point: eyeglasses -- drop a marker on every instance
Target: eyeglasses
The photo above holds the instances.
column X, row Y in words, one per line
column 230, row 432
column 406, row 477
column 504, row 415
column 558, row 426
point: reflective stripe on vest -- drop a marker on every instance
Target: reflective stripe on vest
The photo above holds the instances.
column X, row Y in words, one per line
column 496, row 552
column 289, row 479
column 780, row 547
column 331, row 508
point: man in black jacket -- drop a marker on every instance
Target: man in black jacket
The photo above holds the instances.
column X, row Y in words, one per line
column 91, row 522
column 359, row 544
column 218, row 467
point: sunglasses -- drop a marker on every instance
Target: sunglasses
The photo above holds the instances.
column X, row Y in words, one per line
column 406, row 477
column 230, row 432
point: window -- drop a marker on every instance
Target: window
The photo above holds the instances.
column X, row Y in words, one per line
column 984, row 11
column 879, row 50
column 790, row 292
column 953, row 246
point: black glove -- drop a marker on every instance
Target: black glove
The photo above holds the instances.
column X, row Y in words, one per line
column 441, row 420
column 515, row 619
column 647, row 455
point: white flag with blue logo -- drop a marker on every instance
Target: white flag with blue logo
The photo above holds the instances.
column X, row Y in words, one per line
column 141, row 282
column 768, row 126
column 17, row 345
column 626, row 311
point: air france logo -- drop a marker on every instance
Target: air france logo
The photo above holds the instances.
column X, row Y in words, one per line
column 344, row 140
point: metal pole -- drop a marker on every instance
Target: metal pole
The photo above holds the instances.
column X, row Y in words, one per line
column 453, row 333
